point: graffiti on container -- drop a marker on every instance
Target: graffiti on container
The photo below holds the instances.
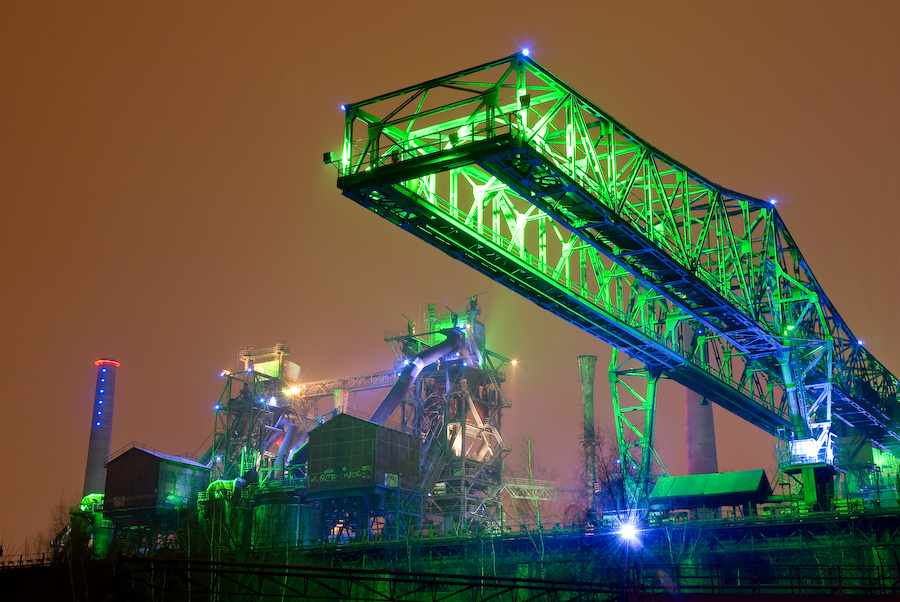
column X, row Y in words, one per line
column 326, row 476
column 357, row 473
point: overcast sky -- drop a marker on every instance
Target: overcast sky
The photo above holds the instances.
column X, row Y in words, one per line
column 164, row 200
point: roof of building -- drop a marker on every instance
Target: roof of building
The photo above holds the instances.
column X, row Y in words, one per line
column 712, row 487
column 161, row 455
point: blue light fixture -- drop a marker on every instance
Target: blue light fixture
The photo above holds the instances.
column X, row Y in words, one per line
column 628, row 532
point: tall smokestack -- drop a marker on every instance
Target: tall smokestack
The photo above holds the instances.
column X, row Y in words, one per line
column 101, row 426
column 701, row 431
column 586, row 366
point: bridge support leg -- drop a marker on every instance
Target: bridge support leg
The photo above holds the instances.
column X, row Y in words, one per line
column 634, row 386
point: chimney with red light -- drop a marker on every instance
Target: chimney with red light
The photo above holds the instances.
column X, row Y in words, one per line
column 101, row 427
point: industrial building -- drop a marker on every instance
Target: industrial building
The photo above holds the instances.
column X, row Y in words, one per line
column 511, row 171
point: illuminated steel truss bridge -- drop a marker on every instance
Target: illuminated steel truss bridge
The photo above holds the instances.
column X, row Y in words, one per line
column 511, row 171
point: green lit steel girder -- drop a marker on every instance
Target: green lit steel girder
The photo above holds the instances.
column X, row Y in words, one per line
column 508, row 169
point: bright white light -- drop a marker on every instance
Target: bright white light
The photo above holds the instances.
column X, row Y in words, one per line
column 343, row 107
column 514, row 362
column 218, row 458
column 273, row 401
column 628, row 532
column 465, row 364
column 773, row 201
column 218, row 407
column 526, row 52
column 860, row 342
column 294, row 390
column 224, row 373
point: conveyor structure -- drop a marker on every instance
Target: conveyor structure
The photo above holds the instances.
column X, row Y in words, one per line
column 508, row 169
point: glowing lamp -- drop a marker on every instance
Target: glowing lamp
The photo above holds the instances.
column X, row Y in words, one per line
column 343, row 107
column 773, row 201
column 628, row 532
column 218, row 407
column 515, row 362
column 96, row 424
column 860, row 342
column 104, row 360
column 526, row 52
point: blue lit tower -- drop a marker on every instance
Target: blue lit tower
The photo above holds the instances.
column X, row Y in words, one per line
column 101, row 427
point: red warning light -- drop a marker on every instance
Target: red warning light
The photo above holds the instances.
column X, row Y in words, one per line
column 104, row 360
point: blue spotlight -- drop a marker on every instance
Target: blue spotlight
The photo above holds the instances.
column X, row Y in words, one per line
column 526, row 52
column 628, row 532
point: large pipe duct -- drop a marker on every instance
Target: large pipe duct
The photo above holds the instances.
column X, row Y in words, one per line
column 408, row 376
column 100, row 444
column 701, row 431
column 286, row 444
column 586, row 364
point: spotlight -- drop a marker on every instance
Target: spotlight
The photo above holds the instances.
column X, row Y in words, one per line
column 628, row 532
column 526, row 52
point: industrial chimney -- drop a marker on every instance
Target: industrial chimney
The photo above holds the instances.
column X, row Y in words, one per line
column 701, row 430
column 586, row 366
column 101, row 427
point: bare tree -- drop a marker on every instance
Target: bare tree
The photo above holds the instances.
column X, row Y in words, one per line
column 531, row 509
column 607, row 493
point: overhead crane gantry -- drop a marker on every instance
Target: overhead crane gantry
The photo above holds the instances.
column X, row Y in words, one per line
column 511, row 171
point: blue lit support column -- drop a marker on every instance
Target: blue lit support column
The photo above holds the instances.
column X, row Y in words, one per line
column 100, row 444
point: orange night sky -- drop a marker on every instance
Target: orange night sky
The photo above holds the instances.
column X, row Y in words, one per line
column 164, row 200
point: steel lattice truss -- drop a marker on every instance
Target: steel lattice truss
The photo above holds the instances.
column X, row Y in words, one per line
column 511, row 171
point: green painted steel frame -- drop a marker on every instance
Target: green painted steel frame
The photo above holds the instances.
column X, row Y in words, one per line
column 508, row 169
column 239, row 430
